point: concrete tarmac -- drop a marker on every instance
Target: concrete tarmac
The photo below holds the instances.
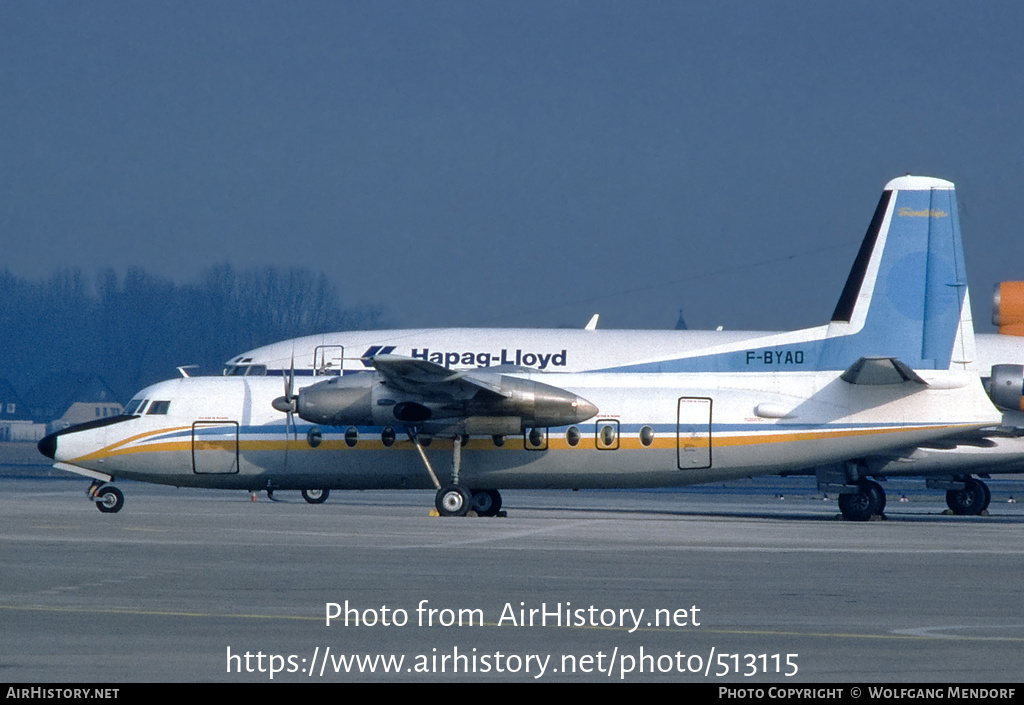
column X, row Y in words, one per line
column 736, row 585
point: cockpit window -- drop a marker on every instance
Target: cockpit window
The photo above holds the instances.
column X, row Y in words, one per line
column 159, row 407
column 132, row 407
column 245, row 370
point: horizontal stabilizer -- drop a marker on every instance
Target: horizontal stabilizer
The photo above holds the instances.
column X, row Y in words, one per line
column 880, row 371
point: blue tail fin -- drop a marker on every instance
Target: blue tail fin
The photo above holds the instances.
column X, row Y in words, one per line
column 905, row 300
column 906, row 296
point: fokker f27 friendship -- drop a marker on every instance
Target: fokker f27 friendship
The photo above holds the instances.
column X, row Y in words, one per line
column 472, row 411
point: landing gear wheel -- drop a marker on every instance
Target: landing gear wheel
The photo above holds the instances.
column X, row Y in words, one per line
column 971, row 500
column 881, row 494
column 486, row 503
column 453, row 501
column 868, row 501
column 109, row 500
column 315, row 496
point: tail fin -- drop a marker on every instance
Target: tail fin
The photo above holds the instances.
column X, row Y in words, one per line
column 906, row 296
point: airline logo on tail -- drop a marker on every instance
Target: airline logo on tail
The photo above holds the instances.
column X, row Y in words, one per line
column 906, row 212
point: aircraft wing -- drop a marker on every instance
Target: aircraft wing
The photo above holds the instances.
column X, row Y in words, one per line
column 427, row 378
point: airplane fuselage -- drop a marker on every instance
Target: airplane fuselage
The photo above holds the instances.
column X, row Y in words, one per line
column 651, row 430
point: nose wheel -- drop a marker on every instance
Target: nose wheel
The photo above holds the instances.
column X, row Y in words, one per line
column 315, row 496
column 108, row 498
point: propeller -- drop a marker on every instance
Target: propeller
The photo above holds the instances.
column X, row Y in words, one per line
column 289, row 402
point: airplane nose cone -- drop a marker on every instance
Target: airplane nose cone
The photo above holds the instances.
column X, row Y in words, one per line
column 48, row 445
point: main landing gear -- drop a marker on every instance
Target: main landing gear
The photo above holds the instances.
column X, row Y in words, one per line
column 859, row 498
column 866, row 502
column 455, row 499
column 965, row 495
column 458, row 501
column 971, row 500
column 108, row 498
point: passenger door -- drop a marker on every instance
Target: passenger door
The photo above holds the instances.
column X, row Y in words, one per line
column 693, row 433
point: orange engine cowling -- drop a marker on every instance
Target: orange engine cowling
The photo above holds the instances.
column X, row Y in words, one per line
column 1008, row 308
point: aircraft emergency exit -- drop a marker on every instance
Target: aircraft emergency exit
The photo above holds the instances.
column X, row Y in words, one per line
column 495, row 409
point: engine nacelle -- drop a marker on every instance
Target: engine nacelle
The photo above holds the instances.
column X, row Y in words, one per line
column 367, row 400
column 1006, row 387
column 1008, row 308
column 340, row 401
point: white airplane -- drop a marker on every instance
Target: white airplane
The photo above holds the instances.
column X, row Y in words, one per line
column 894, row 369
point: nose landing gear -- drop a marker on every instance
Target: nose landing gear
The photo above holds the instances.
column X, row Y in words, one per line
column 108, row 498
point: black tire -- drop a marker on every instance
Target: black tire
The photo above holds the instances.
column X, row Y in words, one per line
column 486, row 503
column 109, row 500
column 315, row 496
column 453, row 501
column 881, row 494
column 970, row 501
column 868, row 501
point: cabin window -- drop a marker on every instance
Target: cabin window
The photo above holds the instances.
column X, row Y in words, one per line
column 572, row 436
column 351, row 436
column 159, row 408
column 314, row 437
column 607, row 434
column 537, row 439
column 498, row 439
column 647, row 436
column 387, row 437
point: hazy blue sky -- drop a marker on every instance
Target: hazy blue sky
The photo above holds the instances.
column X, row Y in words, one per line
column 509, row 163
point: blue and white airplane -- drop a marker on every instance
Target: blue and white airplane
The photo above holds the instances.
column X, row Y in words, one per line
column 895, row 368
